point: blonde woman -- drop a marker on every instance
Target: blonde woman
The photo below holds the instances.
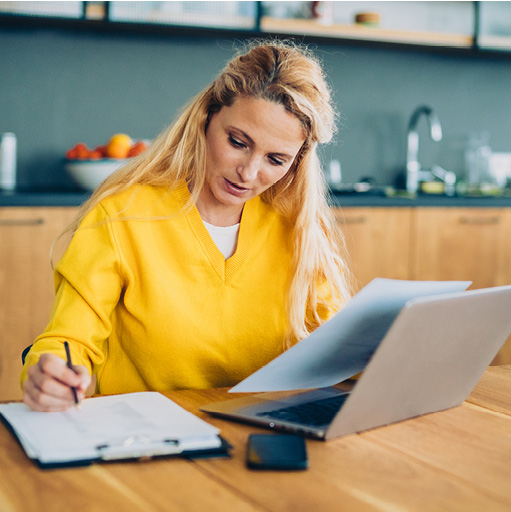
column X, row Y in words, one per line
column 210, row 253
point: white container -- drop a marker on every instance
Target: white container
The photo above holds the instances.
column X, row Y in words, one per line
column 8, row 162
column 334, row 174
column 89, row 174
column 500, row 168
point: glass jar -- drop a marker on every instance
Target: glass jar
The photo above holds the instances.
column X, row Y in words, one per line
column 477, row 163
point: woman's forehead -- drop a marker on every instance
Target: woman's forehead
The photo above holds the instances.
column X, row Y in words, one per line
column 261, row 118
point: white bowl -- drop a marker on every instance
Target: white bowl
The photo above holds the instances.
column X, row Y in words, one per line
column 88, row 174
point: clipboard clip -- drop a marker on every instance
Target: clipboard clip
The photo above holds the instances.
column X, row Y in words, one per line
column 138, row 447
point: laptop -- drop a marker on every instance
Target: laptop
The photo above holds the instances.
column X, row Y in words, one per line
column 431, row 357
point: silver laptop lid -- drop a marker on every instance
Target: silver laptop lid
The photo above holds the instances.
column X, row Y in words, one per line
column 430, row 359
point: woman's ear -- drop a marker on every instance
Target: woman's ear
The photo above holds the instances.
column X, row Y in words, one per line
column 206, row 124
column 214, row 109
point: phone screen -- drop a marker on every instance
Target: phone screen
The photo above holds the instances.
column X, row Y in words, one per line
column 276, row 451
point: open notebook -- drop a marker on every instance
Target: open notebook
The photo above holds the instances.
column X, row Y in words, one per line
column 135, row 425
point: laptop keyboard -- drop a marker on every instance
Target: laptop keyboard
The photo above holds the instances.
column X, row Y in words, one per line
column 312, row 414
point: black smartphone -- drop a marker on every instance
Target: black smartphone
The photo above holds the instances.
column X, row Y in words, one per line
column 276, row 451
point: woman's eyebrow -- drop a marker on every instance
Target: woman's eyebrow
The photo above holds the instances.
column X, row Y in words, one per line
column 241, row 132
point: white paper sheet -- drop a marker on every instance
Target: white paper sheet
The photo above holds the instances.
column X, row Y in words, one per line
column 343, row 345
column 122, row 424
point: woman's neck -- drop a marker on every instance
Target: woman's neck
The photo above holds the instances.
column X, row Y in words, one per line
column 219, row 214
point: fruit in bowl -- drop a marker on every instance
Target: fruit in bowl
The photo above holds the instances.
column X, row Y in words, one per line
column 119, row 146
column 88, row 168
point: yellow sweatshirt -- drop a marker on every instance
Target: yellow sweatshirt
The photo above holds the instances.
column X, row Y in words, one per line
column 148, row 302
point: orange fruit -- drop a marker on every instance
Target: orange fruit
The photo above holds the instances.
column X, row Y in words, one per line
column 137, row 148
column 71, row 154
column 118, row 146
column 101, row 150
column 95, row 155
column 82, row 151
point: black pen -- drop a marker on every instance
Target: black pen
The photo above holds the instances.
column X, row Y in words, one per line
column 70, row 366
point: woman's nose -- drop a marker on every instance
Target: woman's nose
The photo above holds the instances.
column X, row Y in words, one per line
column 248, row 169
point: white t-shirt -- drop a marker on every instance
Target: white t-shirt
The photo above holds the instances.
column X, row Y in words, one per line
column 225, row 238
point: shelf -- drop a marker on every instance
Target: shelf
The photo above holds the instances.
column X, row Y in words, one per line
column 246, row 23
column 497, row 43
column 364, row 33
column 494, row 26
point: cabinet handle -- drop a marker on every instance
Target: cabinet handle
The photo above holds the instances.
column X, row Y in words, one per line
column 480, row 220
column 361, row 219
column 21, row 222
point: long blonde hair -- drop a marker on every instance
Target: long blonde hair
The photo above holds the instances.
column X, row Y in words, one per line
column 290, row 75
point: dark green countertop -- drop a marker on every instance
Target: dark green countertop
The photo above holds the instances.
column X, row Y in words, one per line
column 433, row 201
column 76, row 198
column 43, row 198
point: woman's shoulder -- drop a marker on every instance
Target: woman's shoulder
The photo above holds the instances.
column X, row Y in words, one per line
column 142, row 200
column 267, row 212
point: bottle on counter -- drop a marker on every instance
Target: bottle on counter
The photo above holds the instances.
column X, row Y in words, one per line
column 8, row 161
column 334, row 175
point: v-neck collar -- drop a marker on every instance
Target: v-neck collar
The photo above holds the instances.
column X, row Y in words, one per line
column 225, row 269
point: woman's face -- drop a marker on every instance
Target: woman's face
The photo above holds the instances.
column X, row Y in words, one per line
column 250, row 146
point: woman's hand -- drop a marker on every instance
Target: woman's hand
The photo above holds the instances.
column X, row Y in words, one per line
column 50, row 382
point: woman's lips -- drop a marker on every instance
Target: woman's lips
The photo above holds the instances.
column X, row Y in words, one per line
column 235, row 189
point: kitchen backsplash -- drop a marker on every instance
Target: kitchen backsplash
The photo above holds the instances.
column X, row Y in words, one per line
column 59, row 88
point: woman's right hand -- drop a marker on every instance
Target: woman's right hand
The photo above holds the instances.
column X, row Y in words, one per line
column 49, row 384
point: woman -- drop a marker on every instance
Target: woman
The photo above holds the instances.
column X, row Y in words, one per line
column 210, row 253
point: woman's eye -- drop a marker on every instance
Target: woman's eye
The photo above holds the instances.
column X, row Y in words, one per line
column 275, row 161
column 235, row 142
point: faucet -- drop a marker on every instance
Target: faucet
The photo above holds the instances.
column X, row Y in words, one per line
column 414, row 172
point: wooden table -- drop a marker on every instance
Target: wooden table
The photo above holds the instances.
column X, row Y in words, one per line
column 458, row 459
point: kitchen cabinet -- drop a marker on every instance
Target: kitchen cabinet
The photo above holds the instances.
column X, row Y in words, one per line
column 233, row 15
column 463, row 244
column 378, row 241
column 472, row 244
column 26, row 281
column 494, row 28
column 466, row 25
column 226, row 15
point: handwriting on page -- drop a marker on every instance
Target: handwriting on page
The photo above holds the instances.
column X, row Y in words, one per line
column 119, row 417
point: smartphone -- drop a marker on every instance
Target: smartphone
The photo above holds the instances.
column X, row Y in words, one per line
column 276, row 451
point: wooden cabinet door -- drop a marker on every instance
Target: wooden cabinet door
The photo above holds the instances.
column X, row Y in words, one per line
column 378, row 242
column 472, row 244
column 463, row 243
column 26, row 283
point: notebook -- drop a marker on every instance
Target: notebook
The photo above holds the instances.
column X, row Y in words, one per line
column 429, row 358
column 126, row 426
